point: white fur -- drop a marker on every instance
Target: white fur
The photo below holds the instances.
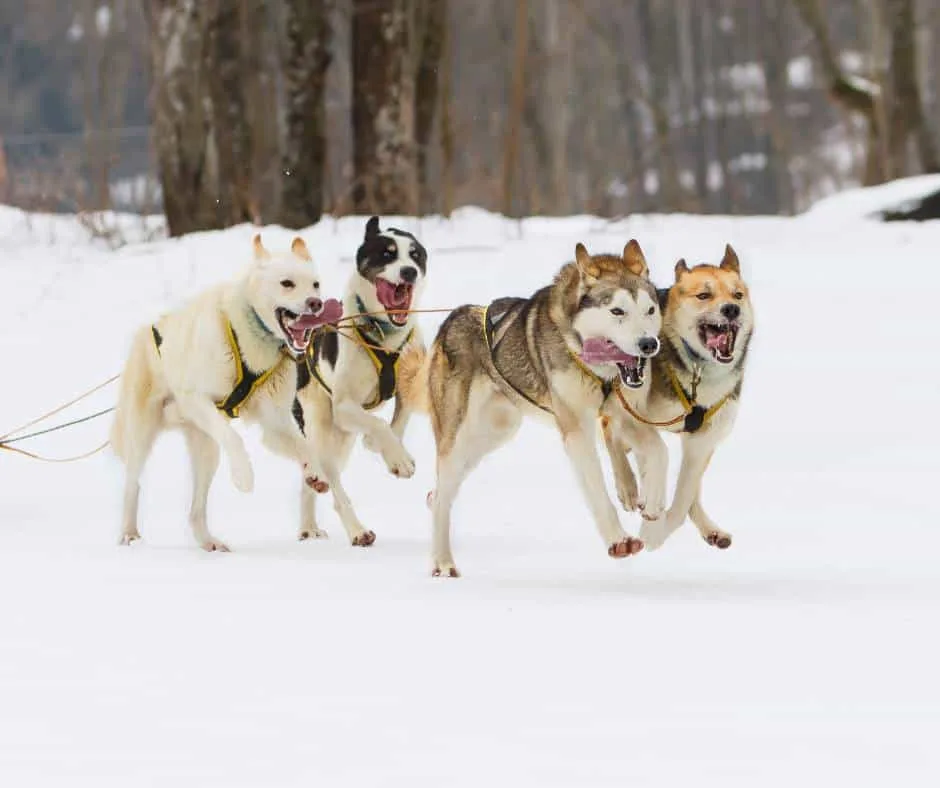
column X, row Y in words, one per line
column 180, row 385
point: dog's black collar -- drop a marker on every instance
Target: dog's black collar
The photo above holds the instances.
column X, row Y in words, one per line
column 693, row 353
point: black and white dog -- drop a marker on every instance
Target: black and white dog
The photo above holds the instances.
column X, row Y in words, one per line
column 347, row 375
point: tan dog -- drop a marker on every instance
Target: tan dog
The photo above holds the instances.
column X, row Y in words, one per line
column 708, row 322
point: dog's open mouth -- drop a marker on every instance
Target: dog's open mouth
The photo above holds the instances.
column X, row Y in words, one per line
column 719, row 338
column 298, row 328
column 395, row 298
column 598, row 350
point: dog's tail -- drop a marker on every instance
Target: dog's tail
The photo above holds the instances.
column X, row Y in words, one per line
column 413, row 378
column 134, row 391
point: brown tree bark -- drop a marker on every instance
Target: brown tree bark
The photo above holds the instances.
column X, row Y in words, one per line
column 517, row 104
column 432, row 25
column 225, row 46
column 383, row 110
column 182, row 121
column 305, row 68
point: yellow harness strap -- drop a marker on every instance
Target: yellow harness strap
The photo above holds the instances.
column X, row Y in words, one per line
column 695, row 415
column 607, row 386
column 246, row 381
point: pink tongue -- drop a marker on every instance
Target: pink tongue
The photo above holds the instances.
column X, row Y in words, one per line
column 718, row 340
column 598, row 350
column 332, row 311
column 392, row 295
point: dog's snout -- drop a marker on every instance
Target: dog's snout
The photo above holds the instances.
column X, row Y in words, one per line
column 730, row 311
column 409, row 274
column 649, row 346
column 314, row 305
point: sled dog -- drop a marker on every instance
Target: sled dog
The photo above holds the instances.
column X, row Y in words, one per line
column 708, row 322
column 346, row 375
column 228, row 353
column 559, row 354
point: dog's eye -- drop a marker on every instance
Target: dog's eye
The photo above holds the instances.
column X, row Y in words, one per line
column 287, row 284
column 651, row 310
column 389, row 252
column 413, row 254
column 617, row 311
column 738, row 295
column 703, row 296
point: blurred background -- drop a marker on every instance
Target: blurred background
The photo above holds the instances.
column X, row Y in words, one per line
column 218, row 112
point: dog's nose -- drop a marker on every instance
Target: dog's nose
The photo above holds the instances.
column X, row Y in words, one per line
column 409, row 274
column 731, row 311
column 649, row 346
column 314, row 305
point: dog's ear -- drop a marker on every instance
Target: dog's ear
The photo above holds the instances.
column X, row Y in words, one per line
column 730, row 261
column 372, row 227
column 261, row 253
column 585, row 262
column 299, row 248
column 681, row 268
column 634, row 259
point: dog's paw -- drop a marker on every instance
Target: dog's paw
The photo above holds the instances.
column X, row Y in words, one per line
column 129, row 539
column 399, row 462
column 312, row 533
column 626, row 547
column 649, row 510
column 365, row 539
column 653, row 533
column 718, row 538
column 243, row 475
column 629, row 498
column 444, row 569
column 316, row 484
column 213, row 545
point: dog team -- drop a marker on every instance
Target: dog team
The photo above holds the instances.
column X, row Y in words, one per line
column 598, row 346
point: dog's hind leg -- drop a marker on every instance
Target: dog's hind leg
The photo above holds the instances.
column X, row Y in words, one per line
column 710, row 532
column 204, row 455
column 465, row 435
column 140, row 431
column 202, row 412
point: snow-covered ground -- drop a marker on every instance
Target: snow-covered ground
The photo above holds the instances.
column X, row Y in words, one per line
column 805, row 655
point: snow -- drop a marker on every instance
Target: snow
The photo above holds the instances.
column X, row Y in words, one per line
column 806, row 654
column 853, row 204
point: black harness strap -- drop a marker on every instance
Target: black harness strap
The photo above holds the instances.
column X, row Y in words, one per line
column 490, row 325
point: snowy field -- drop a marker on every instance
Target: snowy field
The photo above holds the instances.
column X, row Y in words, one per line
column 807, row 654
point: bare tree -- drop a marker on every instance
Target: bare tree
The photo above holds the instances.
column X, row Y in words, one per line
column 383, row 107
column 431, row 26
column 306, row 61
column 517, row 103
column 182, row 117
column 225, row 40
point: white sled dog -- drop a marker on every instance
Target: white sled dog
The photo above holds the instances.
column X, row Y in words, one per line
column 348, row 374
column 708, row 322
column 559, row 354
column 228, row 353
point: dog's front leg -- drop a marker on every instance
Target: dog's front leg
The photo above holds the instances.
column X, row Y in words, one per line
column 578, row 435
column 352, row 417
column 697, row 450
column 627, row 491
column 201, row 411
column 652, row 460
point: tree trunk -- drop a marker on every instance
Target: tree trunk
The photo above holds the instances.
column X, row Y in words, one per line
column 433, row 24
column 383, row 108
column 182, row 120
column 906, row 122
column 305, row 68
column 517, row 104
column 231, row 120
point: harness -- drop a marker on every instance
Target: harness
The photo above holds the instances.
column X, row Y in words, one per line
column 247, row 381
column 384, row 361
column 490, row 325
column 696, row 416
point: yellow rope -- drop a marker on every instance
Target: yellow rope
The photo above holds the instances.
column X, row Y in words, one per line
column 31, row 455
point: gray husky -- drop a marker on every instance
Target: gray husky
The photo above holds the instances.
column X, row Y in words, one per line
column 559, row 354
